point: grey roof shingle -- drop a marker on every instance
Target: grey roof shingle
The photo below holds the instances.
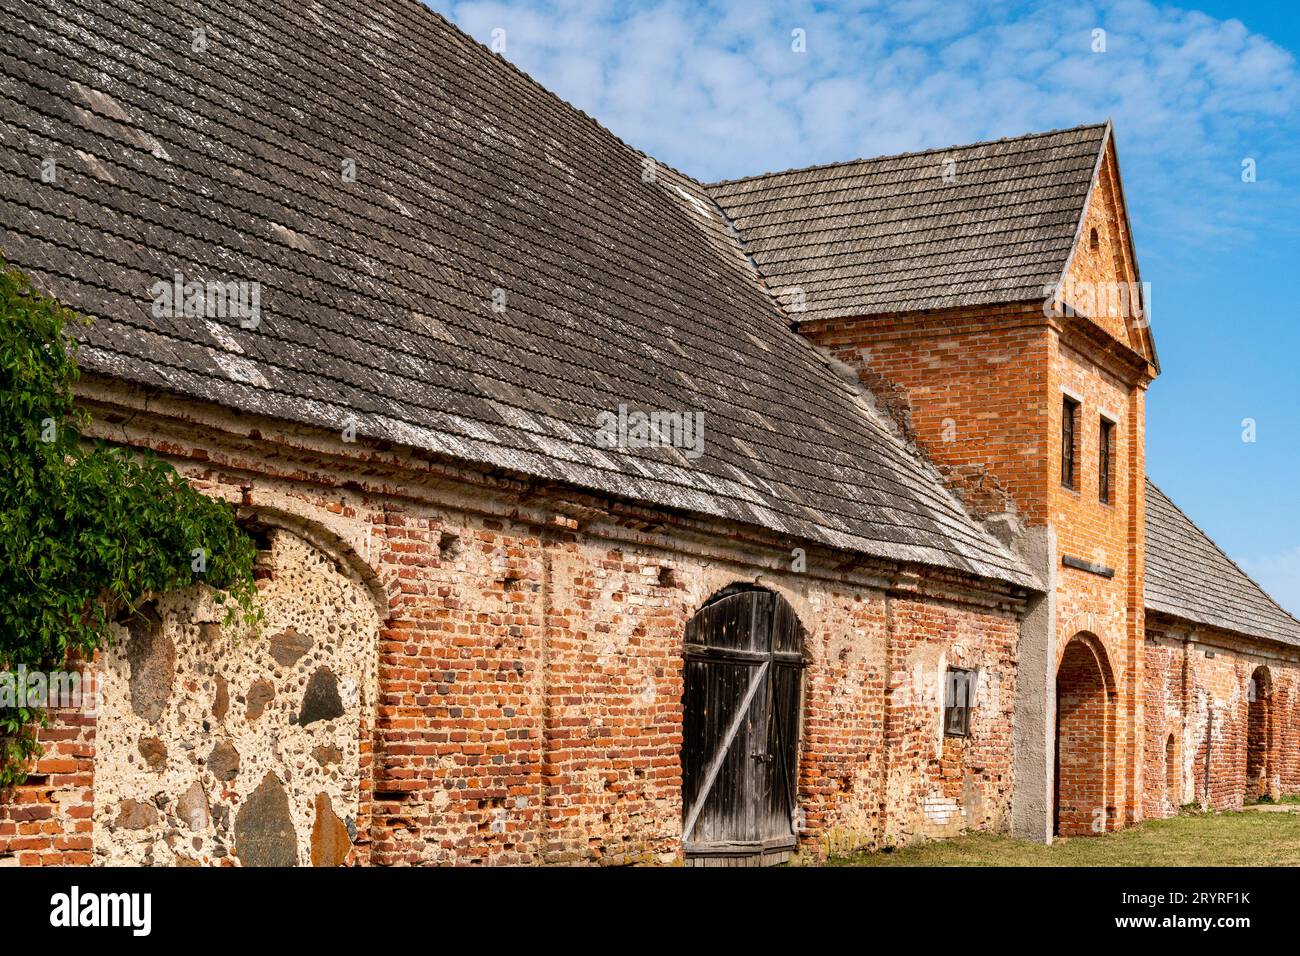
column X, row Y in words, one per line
column 896, row 233
column 1189, row 577
column 377, row 295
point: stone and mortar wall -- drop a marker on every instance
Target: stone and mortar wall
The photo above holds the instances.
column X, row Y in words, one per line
column 233, row 744
column 529, row 670
column 1198, row 693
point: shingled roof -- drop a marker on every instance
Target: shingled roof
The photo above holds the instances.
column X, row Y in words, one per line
column 963, row 226
column 379, row 297
column 1189, row 577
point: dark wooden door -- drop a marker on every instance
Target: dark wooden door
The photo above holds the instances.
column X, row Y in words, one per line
column 740, row 742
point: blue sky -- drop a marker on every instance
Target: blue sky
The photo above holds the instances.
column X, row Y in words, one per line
column 1195, row 89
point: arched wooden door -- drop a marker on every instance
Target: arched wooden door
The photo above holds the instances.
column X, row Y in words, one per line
column 740, row 739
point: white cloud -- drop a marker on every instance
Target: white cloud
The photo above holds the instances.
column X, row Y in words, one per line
column 715, row 89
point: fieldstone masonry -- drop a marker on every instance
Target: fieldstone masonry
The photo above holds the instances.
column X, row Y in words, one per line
column 205, row 753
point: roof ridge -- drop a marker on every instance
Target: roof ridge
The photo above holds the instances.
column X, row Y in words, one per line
column 1199, row 530
column 917, row 152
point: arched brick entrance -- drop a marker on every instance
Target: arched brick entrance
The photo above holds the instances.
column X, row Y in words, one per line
column 1085, row 733
column 1260, row 759
column 1173, row 775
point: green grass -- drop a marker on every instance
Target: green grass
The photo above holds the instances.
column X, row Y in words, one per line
column 1289, row 798
column 1215, row 839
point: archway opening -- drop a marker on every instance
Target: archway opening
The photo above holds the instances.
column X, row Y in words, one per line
column 740, row 736
column 1173, row 775
column 1084, row 740
column 1259, row 735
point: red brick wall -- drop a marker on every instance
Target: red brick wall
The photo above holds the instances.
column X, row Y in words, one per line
column 981, row 390
column 47, row 820
column 842, row 756
column 1111, row 261
column 970, row 385
column 551, row 706
column 1203, row 701
column 1105, row 534
column 939, row 785
column 1164, row 710
column 530, row 667
column 1109, row 534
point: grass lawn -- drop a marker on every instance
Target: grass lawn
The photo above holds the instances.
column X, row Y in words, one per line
column 1218, row 839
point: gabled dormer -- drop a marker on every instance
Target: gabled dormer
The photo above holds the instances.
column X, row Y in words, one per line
column 1101, row 280
column 948, row 280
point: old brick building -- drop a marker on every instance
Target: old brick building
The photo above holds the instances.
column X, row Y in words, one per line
column 887, row 565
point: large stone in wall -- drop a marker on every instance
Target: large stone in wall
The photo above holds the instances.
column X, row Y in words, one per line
column 330, row 842
column 327, row 754
column 134, row 815
column 321, row 701
column 259, row 695
column 154, row 752
column 192, row 808
column 264, row 833
column 223, row 762
column 288, row 646
column 221, row 701
column 152, row 657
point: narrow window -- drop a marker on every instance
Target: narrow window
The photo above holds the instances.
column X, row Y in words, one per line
column 1069, row 456
column 1107, row 448
column 958, row 702
column 1094, row 243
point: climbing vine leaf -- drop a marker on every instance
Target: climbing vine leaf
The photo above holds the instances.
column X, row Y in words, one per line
column 88, row 531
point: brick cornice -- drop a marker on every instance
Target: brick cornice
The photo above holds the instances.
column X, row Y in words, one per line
column 261, row 446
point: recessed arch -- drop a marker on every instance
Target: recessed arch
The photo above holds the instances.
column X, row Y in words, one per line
column 1260, row 757
column 1173, row 774
column 257, row 519
column 387, row 601
column 1085, row 739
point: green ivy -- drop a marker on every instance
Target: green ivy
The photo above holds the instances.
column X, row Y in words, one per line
column 88, row 532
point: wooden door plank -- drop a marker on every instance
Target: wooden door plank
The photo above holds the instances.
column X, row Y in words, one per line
column 758, row 680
